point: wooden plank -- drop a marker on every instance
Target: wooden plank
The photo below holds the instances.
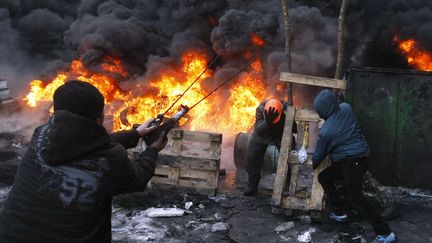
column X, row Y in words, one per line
column 215, row 137
column 194, row 144
column 282, row 168
column 187, row 173
column 162, row 170
column 189, row 150
column 197, row 174
column 215, row 150
column 176, row 146
column 4, row 94
column 191, row 160
column 6, row 101
column 317, row 193
column 188, row 163
column 313, row 80
column 300, row 134
column 307, row 115
column 176, row 133
column 204, row 190
column 294, row 178
column 212, row 179
column 174, row 175
column 193, row 184
column 295, row 203
column 201, row 137
column 3, row 84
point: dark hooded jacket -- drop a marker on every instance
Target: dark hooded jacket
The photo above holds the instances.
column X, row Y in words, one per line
column 63, row 188
column 340, row 137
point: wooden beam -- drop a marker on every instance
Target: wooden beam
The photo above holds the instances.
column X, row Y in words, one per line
column 174, row 175
column 295, row 203
column 190, row 163
column 313, row 80
column 4, row 94
column 295, row 168
column 316, row 199
column 3, row 84
column 307, row 115
column 282, row 167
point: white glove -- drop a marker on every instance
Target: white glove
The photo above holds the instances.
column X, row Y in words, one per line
column 302, row 155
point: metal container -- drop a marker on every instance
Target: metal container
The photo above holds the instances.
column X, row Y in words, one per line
column 394, row 109
column 240, row 152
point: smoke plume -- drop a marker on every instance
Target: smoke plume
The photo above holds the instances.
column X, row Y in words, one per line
column 40, row 37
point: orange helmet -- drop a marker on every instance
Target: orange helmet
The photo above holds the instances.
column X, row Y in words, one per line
column 277, row 104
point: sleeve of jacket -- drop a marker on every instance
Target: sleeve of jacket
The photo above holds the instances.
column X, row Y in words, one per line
column 133, row 176
column 260, row 123
column 322, row 149
column 128, row 138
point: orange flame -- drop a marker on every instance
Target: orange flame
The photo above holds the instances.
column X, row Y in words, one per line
column 256, row 40
column 414, row 54
column 228, row 111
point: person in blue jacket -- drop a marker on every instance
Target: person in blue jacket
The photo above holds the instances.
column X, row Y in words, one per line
column 341, row 139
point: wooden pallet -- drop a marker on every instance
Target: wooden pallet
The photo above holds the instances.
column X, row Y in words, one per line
column 293, row 199
column 191, row 160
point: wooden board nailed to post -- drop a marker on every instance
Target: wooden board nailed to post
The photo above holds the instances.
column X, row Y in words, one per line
column 191, row 160
column 313, row 80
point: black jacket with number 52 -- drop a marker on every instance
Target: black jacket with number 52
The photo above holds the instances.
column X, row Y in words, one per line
column 63, row 188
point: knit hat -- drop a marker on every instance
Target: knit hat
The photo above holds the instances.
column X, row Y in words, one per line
column 79, row 97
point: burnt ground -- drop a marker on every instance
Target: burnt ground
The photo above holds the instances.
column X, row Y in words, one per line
column 250, row 219
column 246, row 219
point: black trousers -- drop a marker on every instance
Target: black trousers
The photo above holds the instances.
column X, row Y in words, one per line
column 254, row 162
column 351, row 173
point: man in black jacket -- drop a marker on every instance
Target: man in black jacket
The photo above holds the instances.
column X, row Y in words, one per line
column 268, row 130
column 63, row 188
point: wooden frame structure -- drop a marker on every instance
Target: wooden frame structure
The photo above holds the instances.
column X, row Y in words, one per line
column 191, row 160
column 287, row 161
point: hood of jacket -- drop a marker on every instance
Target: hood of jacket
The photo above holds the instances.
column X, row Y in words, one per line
column 325, row 104
column 67, row 137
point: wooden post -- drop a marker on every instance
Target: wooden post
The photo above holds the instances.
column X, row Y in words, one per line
column 176, row 146
column 341, row 45
column 282, row 167
column 287, row 29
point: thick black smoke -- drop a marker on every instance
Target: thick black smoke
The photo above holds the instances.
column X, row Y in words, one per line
column 39, row 37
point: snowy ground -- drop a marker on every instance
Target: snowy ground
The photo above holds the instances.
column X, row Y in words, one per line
column 231, row 217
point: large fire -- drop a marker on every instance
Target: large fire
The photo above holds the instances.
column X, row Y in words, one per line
column 231, row 110
column 415, row 55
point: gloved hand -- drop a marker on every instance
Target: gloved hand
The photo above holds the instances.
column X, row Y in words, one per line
column 145, row 128
column 315, row 165
column 270, row 115
column 161, row 142
column 321, row 123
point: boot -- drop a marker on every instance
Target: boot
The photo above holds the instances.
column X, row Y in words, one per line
column 251, row 191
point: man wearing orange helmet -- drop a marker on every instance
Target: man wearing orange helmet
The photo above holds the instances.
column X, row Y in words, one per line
column 268, row 129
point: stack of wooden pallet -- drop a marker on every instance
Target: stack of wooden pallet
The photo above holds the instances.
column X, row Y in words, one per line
column 4, row 93
column 191, row 160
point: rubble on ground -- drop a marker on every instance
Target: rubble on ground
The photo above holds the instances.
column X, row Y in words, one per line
column 284, row 227
column 231, row 217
